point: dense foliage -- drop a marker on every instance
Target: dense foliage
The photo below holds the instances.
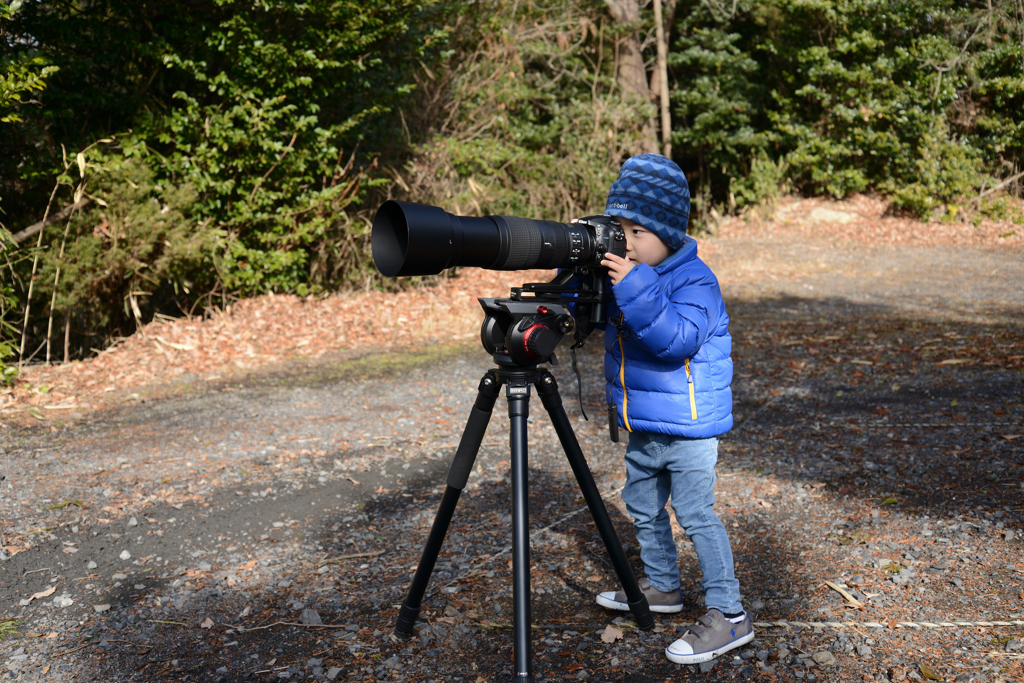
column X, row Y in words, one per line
column 922, row 100
column 241, row 133
column 227, row 148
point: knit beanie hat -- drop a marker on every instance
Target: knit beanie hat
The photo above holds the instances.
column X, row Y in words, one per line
column 652, row 191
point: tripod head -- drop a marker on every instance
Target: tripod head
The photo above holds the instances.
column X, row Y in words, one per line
column 523, row 330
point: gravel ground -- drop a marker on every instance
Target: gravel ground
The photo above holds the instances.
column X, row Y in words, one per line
column 264, row 523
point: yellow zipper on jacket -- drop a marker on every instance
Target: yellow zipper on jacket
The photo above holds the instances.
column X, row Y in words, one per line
column 622, row 381
column 689, row 383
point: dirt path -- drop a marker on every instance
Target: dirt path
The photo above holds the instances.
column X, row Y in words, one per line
column 200, row 532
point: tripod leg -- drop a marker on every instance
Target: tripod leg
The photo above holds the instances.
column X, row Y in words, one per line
column 518, row 412
column 548, row 390
column 458, row 475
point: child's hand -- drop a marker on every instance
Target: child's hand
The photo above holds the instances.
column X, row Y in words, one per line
column 617, row 266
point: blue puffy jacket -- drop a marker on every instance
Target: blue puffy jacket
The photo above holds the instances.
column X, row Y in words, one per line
column 672, row 329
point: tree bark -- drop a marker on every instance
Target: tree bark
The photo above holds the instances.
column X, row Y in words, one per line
column 662, row 81
column 59, row 216
column 631, row 76
column 669, row 16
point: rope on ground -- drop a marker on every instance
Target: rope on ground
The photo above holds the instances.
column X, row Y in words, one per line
column 877, row 624
column 883, row 425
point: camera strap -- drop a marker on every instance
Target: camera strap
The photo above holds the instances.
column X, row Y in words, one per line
column 579, row 378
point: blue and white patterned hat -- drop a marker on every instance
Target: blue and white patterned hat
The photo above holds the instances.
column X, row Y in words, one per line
column 652, row 191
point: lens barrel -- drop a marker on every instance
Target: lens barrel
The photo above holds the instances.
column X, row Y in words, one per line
column 418, row 239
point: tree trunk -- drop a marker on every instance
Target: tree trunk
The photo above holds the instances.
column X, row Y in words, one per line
column 631, row 75
column 669, row 16
column 662, row 81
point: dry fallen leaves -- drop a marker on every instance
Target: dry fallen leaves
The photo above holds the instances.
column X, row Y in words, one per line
column 42, row 594
column 208, row 623
column 849, row 598
column 610, row 634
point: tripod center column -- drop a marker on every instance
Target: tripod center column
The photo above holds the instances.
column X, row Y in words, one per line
column 517, row 391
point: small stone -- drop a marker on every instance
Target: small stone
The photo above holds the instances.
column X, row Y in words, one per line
column 582, row 675
column 310, row 617
column 205, row 566
column 119, row 577
column 125, row 555
column 824, row 659
column 222, row 670
column 1009, row 535
column 615, row 661
column 133, row 522
column 761, row 655
column 101, row 608
column 91, row 565
column 4, row 556
column 864, row 650
column 313, row 662
column 757, row 605
column 333, row 673
column 284, row 584
column 705, row 667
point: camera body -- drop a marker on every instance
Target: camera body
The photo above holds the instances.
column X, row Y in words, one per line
column 608, row 237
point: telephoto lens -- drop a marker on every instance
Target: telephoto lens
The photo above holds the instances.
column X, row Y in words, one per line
column 418, row 239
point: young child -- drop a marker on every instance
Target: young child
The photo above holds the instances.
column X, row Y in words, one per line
column 668, row 372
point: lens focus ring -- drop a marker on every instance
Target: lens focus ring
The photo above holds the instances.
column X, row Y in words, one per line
column 524, row 244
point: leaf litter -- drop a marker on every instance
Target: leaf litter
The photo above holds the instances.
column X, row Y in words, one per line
column 824, row 450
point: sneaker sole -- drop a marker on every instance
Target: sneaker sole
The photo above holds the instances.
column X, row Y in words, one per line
column 699, row 657
column 624, row 607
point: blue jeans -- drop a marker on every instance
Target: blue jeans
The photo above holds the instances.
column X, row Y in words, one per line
column 658, row 465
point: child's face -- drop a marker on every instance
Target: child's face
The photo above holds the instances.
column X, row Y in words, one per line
column 642, row 245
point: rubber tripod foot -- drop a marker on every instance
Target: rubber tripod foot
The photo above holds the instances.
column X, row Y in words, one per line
column 406, row 620
column 641, row 611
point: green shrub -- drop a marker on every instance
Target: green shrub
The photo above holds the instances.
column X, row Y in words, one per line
column 523, row 116
column 136, row 249
column 852, row 95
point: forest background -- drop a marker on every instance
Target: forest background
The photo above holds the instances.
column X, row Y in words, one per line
column 160, row 159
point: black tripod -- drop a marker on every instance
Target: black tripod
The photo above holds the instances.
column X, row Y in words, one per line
column 540, row 332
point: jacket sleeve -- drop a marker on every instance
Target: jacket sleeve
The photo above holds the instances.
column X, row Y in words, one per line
column 670, row 326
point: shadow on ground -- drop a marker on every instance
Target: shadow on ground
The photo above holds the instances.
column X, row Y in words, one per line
column 852, row 408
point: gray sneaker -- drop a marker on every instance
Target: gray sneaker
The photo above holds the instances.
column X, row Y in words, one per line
column 665, row 603
column 711, row 636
